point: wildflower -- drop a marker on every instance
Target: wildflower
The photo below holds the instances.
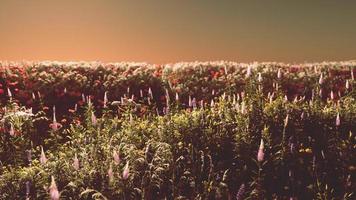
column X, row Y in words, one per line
column 177, row 97
column 126, row 172
column 43, row 158
column 212, row 103
column 302, row 115
column 12, row 130
column 190, row 101
column 76, row 162
column 65, row 90
column 261, row 154
column 93, row 118
column 337, row 122
column 105, row 99
column 128, row 90
column 110, row 173
column 33, row 96
column 83, row 97
column 321, row 79
column 150, row 92
column 286, row 120
column 53, row 190
column 249, row 71
column 259, row 77
column 55, row 125
column 279, row 74
column 9, row 93
column 116, row 157
column 347, row 84
column 332, row 96
column 240, row 193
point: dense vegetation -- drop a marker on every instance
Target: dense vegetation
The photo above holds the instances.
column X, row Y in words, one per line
column 217, row 130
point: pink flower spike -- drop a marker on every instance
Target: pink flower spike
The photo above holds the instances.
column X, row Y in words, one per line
column 53, row 190
column 261, row 154
column 43, row 158
column 126, row 172
column 93, row 119
column 105, row 99
column 76, row 162
column 338, row 122
column 321, row 79
column 110, row 173
column 279, row 73
column 12, row 130
column 116, row 157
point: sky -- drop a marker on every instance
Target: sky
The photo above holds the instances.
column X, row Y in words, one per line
column 165, row 31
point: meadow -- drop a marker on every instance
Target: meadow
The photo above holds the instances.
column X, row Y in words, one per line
column 198, row 130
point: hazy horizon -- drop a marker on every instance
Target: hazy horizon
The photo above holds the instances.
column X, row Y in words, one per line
column 159, row 31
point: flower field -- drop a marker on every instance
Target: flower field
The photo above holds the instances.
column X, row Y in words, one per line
column 200, row 130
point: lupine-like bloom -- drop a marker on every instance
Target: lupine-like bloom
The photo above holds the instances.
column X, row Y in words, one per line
column 347, row 84
column 33, row 96
column 261, row 154
column 55, row 125
column 43, row 158
column 332, row 96
column 116, row 157
column 337, row 122
column 12, row 130
column 321, row 79
column 9, row 93
column 105, row 99
column 249, row 71
column 53, row 190
column 240, row 193
column 190, row 101
column 141, row 93
column 286, row 121
column 150, row 92
column 76, row 162
column 177, row 96
column 110, row 173
column 259, row 77
column 126, row 172
column 93, row 118
column 279, row 73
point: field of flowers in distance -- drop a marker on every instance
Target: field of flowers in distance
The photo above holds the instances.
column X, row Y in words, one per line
column 195, row 130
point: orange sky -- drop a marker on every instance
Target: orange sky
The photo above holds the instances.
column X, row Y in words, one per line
column 161, row 31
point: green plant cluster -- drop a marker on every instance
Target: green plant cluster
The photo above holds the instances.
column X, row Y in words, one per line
column 255, row 144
